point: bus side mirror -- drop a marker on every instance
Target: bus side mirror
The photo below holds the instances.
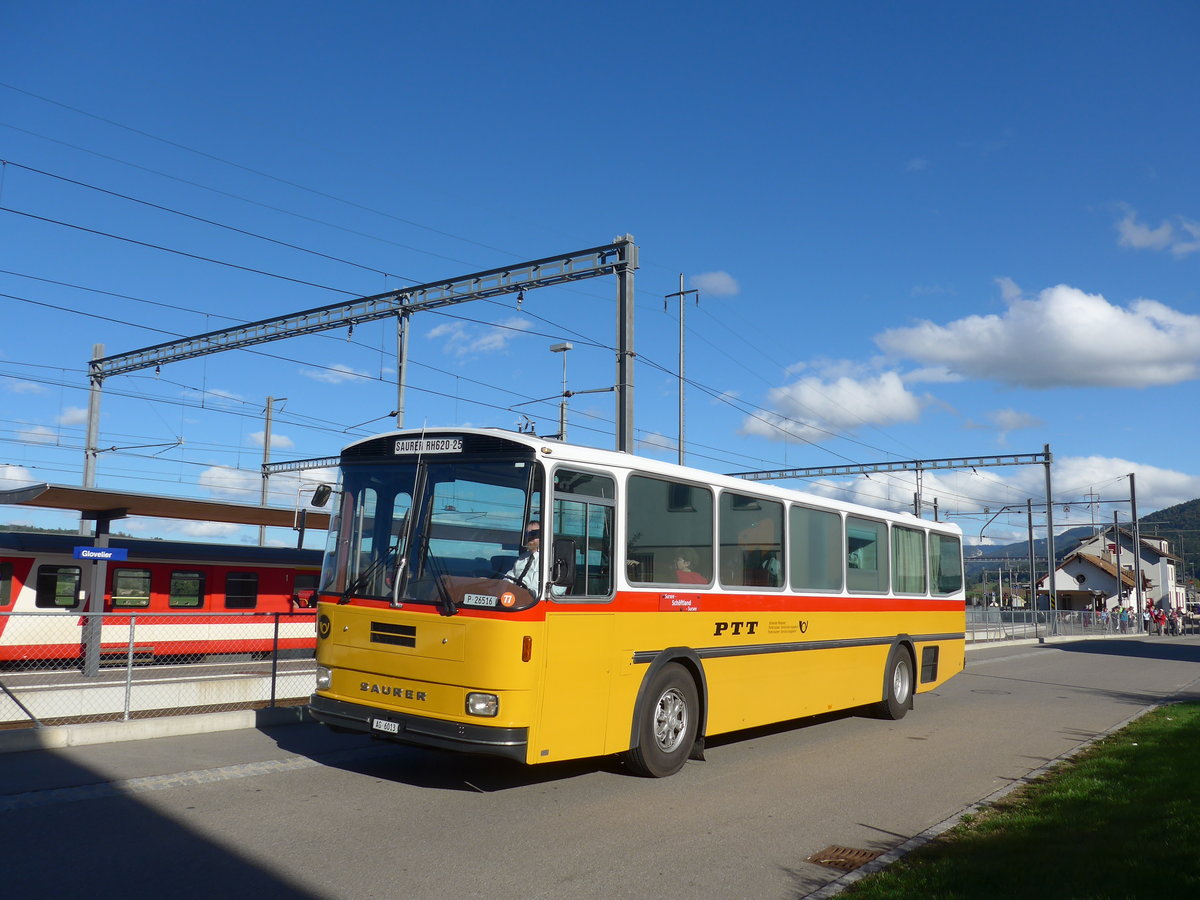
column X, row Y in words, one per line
column 321, row 495
column 563, row 573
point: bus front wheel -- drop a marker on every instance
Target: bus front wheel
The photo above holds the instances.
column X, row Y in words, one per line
column 667, row 721
column 897, row 685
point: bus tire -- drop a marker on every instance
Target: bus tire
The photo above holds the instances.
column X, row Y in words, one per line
column 667, row 721
column 898, row 684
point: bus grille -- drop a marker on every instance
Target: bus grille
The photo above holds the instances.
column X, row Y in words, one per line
column 401, row 635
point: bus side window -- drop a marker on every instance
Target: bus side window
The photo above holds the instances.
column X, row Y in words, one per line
column 945, row 563
column 751, row 531
column 815, row 541
column 6, row 578
column 866, row 555
column 667, row 521
column 584, row 503
column 908, row 560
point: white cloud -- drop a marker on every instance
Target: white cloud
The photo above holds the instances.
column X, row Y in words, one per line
column 73, row 415
column 1132, row 233
column 37, row 434
column 962, row 495
column 654, row 444
column 187, row 529
column 1008, row 420
column 227, row 483
column 208, row 529
column 1013, row 420
column 1064, row 337
column 15, row 476
column 335, row 374
column 278, row 441
column 1167, row 236
column 462, row 339
column 289, row 490
column 811, row 408
column 24, row 387
column 716, row 284
column 930, row 375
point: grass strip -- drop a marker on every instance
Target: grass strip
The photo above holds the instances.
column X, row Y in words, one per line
column 1121, row 819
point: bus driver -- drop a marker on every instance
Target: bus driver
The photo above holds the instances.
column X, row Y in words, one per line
column 525, row 571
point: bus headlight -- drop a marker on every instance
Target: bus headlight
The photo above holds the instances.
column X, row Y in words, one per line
column 324, row 678
column 482, row 704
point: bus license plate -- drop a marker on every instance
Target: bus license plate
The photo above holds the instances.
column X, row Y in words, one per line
column 385, row 725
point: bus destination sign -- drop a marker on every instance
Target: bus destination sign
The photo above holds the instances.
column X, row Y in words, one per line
column 428, row 445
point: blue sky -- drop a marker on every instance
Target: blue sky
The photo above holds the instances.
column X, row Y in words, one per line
column 919, row 230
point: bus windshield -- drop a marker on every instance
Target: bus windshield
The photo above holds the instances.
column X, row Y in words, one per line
column 435, row 531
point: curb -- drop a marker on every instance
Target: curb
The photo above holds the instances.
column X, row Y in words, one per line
column 56, row 737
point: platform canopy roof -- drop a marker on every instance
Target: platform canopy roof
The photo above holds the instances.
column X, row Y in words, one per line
column 100, row 503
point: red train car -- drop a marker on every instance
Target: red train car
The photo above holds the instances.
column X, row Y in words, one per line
column 182, row 599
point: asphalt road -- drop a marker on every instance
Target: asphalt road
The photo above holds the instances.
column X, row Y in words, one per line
column 298, row 812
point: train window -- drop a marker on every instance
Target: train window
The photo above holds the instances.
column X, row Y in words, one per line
column 908, row 560
column 667, row 520
column 187, row 590
column 945, row 563
column 866, row 555
column 815, row 542
column 6, row 570
column 751, row 541
column 58, row 587
column 130, row 587
column 241, row 590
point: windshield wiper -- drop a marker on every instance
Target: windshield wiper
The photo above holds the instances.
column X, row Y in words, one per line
column 365, row 576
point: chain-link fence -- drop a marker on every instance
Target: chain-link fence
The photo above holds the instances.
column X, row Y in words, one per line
column 168, row 664
column 150, row 664
column 989, row 623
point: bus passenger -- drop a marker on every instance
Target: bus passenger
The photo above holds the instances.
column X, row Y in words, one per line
column 685, row 562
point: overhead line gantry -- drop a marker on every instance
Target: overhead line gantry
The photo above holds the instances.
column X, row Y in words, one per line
column 618, row 258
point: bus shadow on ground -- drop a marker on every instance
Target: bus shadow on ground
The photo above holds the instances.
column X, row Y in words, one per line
column 424, row 767
column 451, row 771
column 447, row 770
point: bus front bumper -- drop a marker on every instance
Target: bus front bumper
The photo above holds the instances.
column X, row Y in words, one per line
column 489, row 740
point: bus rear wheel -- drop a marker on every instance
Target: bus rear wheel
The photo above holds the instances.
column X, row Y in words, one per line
column 667, row 722
column 897, row 685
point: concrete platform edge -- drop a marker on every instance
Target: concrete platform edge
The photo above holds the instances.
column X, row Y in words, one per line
column 53, row 737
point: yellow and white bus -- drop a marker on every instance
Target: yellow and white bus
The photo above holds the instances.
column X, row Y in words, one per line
column 664, row 605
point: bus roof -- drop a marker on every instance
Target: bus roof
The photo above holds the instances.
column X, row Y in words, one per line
column 559, row 451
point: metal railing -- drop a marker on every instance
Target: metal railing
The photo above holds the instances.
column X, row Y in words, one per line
column 156, row 664
column 990, row 623
column 151, row 664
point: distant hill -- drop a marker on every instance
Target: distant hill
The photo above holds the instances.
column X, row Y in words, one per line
column 1179, row 524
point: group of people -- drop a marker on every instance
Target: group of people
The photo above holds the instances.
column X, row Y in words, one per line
column 1160, row 621
column 1119, row 618
column 1154, row 621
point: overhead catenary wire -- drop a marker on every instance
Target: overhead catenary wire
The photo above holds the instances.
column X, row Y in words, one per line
column 380, row 271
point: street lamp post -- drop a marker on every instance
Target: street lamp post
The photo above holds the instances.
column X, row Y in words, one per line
column 562, row 405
